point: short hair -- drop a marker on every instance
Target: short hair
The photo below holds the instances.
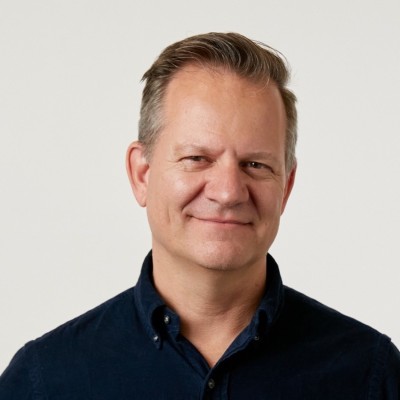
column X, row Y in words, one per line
column 252, row 60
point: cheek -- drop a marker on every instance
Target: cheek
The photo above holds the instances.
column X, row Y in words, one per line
column 270, row 203
column 185, row 188
column 169, row 193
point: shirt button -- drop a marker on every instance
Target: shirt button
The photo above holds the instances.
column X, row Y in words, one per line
column 211, row 384
column 167, row 319
column 256, row 338
column 155, row 338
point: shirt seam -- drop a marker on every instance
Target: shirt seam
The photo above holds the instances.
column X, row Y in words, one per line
column 378, row 367
column 36, row 376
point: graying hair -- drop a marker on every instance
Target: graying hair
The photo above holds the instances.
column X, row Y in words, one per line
column 254, row 61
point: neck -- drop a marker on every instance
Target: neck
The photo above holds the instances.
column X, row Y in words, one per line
column 214, row 306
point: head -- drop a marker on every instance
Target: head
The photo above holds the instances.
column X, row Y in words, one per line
column 233, row 52
column 214, row 165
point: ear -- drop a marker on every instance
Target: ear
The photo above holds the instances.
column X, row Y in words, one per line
column 288, row 187
column 138, row 171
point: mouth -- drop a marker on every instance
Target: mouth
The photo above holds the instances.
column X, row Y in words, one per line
column 223, row 221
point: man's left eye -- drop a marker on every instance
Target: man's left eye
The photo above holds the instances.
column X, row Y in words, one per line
column 255, row 165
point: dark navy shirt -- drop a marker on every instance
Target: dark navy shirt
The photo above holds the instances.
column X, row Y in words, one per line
column 131, row 348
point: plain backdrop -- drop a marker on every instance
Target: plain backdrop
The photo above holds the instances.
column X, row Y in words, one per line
column 71, row 234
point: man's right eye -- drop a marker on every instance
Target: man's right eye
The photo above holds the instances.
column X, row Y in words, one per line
column 195, row 158
column 195, row 163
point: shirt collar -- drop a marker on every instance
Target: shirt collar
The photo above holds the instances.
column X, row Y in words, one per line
column 151, row 307
column 147, row 300
column 272, row 302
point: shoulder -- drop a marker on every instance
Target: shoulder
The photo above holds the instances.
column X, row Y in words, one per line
column 344, row 344
column 68, row 347
column 312, row 317
column 113, row 312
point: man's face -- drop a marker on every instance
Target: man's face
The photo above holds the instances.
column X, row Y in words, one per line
column 216, row 184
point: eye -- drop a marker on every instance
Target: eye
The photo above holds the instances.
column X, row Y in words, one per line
column 195, row 163
column 255, row 165
column 257, row 169
column 195, row 158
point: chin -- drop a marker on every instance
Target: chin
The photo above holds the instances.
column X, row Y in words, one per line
column 225, row 258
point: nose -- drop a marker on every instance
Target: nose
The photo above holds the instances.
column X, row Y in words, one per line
column 226, row 185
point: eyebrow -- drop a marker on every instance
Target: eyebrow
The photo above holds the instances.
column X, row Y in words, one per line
column 190, row 147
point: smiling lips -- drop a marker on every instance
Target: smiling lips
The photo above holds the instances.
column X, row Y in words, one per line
column 223, row 221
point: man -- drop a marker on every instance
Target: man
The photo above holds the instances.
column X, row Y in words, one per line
column 209, row 317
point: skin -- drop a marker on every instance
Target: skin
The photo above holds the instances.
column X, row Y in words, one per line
column 214, row 188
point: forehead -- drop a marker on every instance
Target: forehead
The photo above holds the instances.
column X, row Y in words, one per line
column 223, row 90
column 217, row 99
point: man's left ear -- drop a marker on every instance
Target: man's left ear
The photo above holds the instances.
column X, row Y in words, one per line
column 289, row 186
column 137, row 168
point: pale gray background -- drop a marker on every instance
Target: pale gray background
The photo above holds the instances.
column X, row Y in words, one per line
column 71, row 233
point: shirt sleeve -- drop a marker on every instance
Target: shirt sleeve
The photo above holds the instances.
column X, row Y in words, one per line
column 390, row 388
column 17, row 381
